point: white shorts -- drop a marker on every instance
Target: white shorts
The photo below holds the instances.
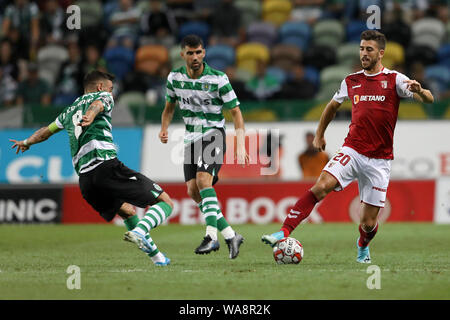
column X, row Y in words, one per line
column 372, row 174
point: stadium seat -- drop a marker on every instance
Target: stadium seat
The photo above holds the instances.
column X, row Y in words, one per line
column 348, row 53
column 243, row 75
column 393, row 55
column 312, row 75
column 132, row 98
column 296, row 33
column 119, row 61
column 248, row 55
column 150, row 58
column 220, row 56
column 276, row 11
column 424, row 54
column 250, row 11
column 262, row 32
column 429, row 32
column 354, row 29
column 277, row 73
column 199, row 28
column 444, row 55
column 327, row 91
column 50, row 59
column 319, row 56
column 176, row 61
column 285, row 56
column 91, row 12
column 330, row 80
column 328, row 32
column 334, row 74
column 438, row 77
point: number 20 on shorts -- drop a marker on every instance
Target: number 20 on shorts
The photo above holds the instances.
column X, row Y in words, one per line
column 342, row 158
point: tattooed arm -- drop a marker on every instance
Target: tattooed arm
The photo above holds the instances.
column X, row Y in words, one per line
column 94, row 109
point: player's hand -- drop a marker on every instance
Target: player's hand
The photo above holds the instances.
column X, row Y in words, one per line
column 242, row 157
column 87, row 120
column 20, row 146
column 319, row 143
column 413, row 86
column 164, row 136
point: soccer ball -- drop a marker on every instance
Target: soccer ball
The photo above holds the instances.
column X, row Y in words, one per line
column 288, row 251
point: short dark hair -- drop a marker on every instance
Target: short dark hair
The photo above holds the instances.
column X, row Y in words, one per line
column 94, row 76
column 376, row 36
column 192, row 41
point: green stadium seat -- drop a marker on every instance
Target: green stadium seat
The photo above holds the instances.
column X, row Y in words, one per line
column 334, row 74
column 250, row 11
column 176, row 60
column 328, row 32
column 132, row 98
column 91, row 12
column 348, row 54
column 327, row 91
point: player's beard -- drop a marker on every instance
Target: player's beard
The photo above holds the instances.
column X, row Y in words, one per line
column 197, row 66
column 370, row 66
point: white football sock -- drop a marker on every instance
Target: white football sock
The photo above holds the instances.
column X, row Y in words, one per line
column 212, row 232
column 228, row 233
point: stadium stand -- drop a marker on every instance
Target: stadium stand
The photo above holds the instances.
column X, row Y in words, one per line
column 220, row 56
column 314, row 52
column 295, row 33
column 262, row 32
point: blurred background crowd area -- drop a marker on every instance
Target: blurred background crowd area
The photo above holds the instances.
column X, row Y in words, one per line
column 278, row 54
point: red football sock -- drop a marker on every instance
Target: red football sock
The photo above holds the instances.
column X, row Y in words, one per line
column 365, row 237
column 301, row 211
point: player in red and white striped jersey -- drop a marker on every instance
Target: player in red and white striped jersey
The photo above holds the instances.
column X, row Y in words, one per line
column 367, row 152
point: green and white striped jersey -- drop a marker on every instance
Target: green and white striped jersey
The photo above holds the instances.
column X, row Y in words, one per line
column 201, row 100
column 92, row 145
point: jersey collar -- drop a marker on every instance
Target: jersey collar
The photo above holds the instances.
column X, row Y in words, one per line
column 373, row 75
column 206, row 68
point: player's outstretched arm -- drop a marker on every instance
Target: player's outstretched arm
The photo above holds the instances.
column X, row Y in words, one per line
column 420, row 94
column 241, row 153
column 38, row 136
column 327, row 115
column 166, row 119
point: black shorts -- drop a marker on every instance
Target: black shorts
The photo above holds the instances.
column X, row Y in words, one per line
column 111, row 184
column 205, row 155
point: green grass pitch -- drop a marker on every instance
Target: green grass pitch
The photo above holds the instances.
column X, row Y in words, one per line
column 414, row 262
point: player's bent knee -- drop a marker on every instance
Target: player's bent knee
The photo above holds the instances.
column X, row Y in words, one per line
column 126, row 211
column 164, row 197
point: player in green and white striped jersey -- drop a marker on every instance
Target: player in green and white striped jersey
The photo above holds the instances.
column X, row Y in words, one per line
column 202, row 92
column 105, row 182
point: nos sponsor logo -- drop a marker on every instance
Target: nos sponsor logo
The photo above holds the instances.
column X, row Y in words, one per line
column 26, row 205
